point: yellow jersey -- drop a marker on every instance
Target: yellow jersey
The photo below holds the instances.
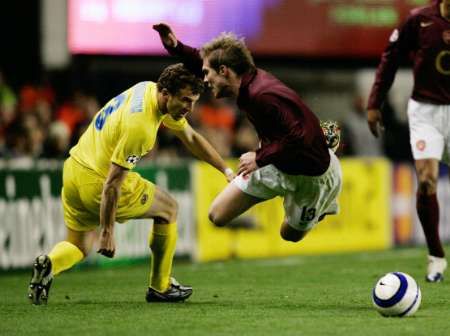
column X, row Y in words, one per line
column 124, row 130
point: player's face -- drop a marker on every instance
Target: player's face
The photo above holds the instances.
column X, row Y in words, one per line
column 218, row 81
column 182, row 103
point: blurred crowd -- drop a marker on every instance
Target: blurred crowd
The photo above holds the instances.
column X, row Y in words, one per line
column 33, row 125
column 36, row 124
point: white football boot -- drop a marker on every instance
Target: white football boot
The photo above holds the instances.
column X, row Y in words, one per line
column 435, row 269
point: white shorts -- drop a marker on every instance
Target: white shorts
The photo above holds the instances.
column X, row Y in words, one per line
column 429, row 127
column 306, row 198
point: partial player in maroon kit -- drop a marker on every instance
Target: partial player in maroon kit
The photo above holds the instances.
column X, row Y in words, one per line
column 293, row 161
column 425, row 38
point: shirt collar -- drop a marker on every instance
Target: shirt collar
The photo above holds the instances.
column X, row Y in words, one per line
column 247, row 78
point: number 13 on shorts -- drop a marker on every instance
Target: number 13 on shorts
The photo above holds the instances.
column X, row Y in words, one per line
column 308, row 214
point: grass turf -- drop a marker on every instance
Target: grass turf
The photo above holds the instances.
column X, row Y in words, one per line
column 305, row 295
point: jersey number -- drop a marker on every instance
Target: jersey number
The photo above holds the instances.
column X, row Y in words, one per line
column 308, row 214
column 109, row 108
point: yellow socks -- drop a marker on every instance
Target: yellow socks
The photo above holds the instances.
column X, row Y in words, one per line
column 63, row 256
column 162, row 241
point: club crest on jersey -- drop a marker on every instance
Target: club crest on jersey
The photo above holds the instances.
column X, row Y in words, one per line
column 420, row 145
column 394, row 36
column 144, row 199
column 133, row 159
column 446, row 36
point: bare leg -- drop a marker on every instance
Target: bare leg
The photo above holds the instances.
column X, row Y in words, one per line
column 229, row 204
column 427, row 173
column 78, row 239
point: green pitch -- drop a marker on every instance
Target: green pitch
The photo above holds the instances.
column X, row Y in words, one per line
column 307, row 295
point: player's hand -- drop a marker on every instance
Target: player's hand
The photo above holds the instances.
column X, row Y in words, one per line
column 247, row 163
column 166, row 34
column 107, row 245
column 375, row 121
column 229, row 174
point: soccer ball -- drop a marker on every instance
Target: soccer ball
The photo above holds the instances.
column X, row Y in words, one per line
column 396, row 294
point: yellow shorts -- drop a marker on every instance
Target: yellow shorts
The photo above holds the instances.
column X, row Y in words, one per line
column 82, row 191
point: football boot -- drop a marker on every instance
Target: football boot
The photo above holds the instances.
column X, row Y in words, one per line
column 175, row 293
column 435, row 269
column 41, row 280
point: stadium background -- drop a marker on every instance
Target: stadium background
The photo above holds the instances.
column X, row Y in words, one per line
column 59, row 64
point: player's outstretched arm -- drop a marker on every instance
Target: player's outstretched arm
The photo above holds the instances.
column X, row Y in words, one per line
column 401, row 43
column 166, row 34
column 108, row 207
column 189, row 56
column 203, row 150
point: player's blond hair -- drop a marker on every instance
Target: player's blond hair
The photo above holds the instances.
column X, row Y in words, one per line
column 229, row 50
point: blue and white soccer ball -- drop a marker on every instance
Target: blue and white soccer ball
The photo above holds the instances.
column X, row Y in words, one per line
column 396, row 294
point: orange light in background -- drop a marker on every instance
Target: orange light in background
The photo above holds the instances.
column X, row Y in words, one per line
column 403, row 206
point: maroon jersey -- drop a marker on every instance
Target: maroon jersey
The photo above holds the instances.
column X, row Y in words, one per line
column 425, row 36
column 291, row 137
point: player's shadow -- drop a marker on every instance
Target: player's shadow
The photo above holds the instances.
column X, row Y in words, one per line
column 83, row 302
column 286, row 305
column 321, row 307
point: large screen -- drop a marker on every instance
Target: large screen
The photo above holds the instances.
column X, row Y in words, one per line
column 313, row 28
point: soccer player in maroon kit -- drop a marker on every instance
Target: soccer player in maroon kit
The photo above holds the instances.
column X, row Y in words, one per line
column 425, row 37
column 293, row 160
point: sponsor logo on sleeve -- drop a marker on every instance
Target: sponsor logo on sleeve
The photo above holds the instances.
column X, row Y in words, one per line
column 144, row 199
column 133, row 159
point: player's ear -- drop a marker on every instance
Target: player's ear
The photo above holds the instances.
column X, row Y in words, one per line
column 223, row 70
column 165, row 92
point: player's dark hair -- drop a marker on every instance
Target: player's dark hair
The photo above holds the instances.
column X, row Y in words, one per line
column 227, row 49
column 176, row 77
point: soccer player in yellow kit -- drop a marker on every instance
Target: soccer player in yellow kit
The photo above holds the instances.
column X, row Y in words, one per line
column 99, row 189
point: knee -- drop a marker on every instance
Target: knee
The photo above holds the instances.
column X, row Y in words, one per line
column 427, row 184
column 215, row 217
column 290, row 237
column 289, row 234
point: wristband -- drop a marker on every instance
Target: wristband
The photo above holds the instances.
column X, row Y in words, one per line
column 228, row 171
